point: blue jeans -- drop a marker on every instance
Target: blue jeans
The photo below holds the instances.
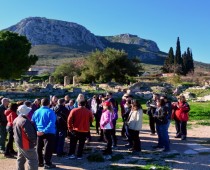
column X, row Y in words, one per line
column 163, row 138
column 60, row 140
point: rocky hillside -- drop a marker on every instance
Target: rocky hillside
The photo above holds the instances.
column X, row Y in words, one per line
column 59, row 39
column 42, row 31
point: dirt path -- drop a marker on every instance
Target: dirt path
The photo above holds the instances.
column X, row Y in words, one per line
column 193, row 154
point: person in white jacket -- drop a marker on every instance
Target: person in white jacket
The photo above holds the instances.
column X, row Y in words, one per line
column 134, row 124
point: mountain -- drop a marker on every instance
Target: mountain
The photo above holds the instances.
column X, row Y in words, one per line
column 60, row 39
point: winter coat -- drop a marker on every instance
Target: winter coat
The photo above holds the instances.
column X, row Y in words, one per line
column 182, row 111
column 135, row 120
column 24, row 133
column 161, row 115
column 61, row 117
column 106, row 120
column 11, row 115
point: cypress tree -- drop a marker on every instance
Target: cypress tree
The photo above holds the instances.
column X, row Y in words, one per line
column 178, row 57
column 190, row 60
column 169, row 62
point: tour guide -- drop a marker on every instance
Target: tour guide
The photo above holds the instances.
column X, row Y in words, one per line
column 44, row 119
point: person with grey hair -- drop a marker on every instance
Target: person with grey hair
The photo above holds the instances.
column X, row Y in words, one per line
column 3, row 124
column 61, row 126
column 25, row 138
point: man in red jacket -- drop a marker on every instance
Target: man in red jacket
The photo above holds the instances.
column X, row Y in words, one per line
column 78, row 126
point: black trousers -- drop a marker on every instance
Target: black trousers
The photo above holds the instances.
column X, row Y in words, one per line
column 9, row 145
column 108, row 137
column 134, row 137
column 74, row 138
column 48, row 142
column 181, row 127
column 152, row 124
column 97, row 118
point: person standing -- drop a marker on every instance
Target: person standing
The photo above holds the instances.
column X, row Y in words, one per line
column 25, row 138
column 3, row 124
column 61, row 126
column 78, row 126
column 35, row 105
column 151, row 105
column 134, row 123
column 161, row 120
column 11, row 115
column 181, row 109
column 44, row 119
column 106, row 124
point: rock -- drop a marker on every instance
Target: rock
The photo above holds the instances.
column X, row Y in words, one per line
column 41, row 31
column 189, row 95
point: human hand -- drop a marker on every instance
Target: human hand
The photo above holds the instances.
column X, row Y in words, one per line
column 40, row 133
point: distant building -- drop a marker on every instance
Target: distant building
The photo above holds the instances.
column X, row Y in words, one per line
column 37, row 70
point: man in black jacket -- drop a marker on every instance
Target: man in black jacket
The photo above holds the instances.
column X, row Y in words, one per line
column 61, row 123
column 152, row 105
column 3, row 124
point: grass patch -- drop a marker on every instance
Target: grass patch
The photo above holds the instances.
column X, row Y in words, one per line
column 2, row 156
column 95, row 157
column 204, row 122
column 147, row 167
column 199, row 111
column 117, row 157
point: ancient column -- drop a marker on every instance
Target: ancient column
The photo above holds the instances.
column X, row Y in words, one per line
column 74, row 81
column 51, row 79
column 66, row 81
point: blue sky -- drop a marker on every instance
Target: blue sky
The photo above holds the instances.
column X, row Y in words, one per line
column 161, row 21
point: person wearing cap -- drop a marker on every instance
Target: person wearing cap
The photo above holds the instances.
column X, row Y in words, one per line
column 25, row 138
column 3, row 124
column 106, row 124
column 44, row 119
column 78, row 126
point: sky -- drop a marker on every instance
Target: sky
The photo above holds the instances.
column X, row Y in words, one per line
column 159, row 20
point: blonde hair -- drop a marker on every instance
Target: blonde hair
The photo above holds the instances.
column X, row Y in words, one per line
column 80, row 97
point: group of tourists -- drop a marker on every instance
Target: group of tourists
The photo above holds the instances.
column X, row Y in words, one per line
column 39, row 129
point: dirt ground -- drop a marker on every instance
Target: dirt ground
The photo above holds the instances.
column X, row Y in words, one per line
column 192, row 154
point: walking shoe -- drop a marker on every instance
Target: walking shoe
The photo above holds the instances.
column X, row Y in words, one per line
column 41, row 164
column 157, row 147
column 79, row 158
column 13, row 152
column 183, row 137
column 8, row 155
column 166, row 150
column 128, row 145
column 107, row 157
column 177, row 136
column 71, row 157
column 51, row 166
